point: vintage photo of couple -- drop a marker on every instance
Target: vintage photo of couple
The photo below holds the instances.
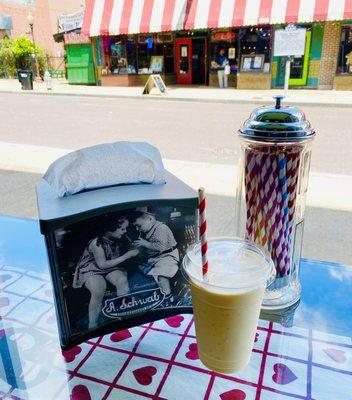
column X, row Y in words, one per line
column 130, row 237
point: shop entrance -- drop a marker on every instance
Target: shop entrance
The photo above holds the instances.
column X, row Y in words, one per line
column 183, row 61
column 191, row 61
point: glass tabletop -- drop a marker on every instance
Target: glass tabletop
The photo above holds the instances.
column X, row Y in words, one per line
column 305, row 353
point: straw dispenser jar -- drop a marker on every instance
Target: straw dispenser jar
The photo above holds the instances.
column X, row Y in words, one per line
column 272, row 184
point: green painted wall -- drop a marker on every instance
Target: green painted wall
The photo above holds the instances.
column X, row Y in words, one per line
column 317, row 41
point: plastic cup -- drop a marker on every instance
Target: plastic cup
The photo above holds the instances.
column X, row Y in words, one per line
column 226, row 306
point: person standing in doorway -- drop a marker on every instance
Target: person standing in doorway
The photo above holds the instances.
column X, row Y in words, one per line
column 221, row 61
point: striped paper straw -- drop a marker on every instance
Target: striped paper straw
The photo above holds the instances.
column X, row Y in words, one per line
column 271, row 182
column 294, row 156
column 250, row 185
column 203, row 231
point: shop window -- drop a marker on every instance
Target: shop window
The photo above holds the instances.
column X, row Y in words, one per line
column 118, row 63
column 167, row 52
column 227, row 41
column 345, row 55
column 114, row 55
column 255, row 48
column 131, row 51
column 136, row 54
column 145, row 52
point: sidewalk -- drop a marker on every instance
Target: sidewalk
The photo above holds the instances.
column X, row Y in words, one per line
column 219, row 179
column 188, row 93
column 328, row 213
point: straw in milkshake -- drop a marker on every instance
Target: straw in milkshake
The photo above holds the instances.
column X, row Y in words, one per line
column 203, row 231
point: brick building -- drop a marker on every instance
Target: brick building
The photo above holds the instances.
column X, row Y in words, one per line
column 45, row 13
column 181, row 40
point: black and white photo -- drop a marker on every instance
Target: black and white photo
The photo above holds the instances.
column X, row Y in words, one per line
column 123, row 264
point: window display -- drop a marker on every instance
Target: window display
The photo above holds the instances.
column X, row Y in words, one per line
column 256, row 41
column 227, row 41
column 345, row 55
column 136, row 54
column 156, row 63
column 252, row 62
column 144, row 51
column 253, row 42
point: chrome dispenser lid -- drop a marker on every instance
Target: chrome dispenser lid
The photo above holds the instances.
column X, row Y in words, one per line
column 279, row 123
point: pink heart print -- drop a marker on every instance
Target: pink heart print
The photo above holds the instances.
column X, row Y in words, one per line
column 235, row 394
column 4, row 301
column 80, row 392
column 174, row 322
column 192, row 354
column 70, row 355
column 283, row 375
column 337, row 355
column 144, row 375
column 120, row 335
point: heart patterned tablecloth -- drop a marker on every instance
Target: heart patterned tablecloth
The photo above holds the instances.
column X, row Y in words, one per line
column 157, row 360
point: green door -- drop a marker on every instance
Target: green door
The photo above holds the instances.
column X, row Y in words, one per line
column 80, row 66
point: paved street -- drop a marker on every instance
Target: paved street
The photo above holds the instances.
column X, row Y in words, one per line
column 191, row 131
column 196, row 136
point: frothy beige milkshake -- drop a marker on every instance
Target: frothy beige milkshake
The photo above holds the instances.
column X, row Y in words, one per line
column 226, row 306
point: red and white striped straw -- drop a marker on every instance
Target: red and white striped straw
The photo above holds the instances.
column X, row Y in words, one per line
column 203, row 230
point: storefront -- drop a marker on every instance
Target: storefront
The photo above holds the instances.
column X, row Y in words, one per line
column 343, row 78
column 304, row 72
column 128, row 60
column 131, row 41
column 181, row 40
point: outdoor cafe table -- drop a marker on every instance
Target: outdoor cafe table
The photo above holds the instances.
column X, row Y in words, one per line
column 306, row 354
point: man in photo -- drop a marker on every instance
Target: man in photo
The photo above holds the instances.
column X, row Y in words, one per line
column 159, row 244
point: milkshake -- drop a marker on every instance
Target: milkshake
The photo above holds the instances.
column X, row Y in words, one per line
column 226, row 305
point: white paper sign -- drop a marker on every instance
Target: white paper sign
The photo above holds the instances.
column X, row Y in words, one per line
column 289, row 42
column 70, row 22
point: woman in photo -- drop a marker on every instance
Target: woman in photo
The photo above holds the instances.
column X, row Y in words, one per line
column 99, row 265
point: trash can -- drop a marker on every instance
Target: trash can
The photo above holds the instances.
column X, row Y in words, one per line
column 26, row 78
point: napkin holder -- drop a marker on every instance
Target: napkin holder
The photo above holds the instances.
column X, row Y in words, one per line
column 69, row 224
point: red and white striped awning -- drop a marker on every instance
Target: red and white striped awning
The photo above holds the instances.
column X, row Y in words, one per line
column 114, row 17
column 226, row 13
column 117, row 17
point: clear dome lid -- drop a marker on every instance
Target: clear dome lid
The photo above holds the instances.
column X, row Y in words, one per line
column 277, row 123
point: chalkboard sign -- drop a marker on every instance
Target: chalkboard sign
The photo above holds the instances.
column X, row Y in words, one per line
column 154, row 81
